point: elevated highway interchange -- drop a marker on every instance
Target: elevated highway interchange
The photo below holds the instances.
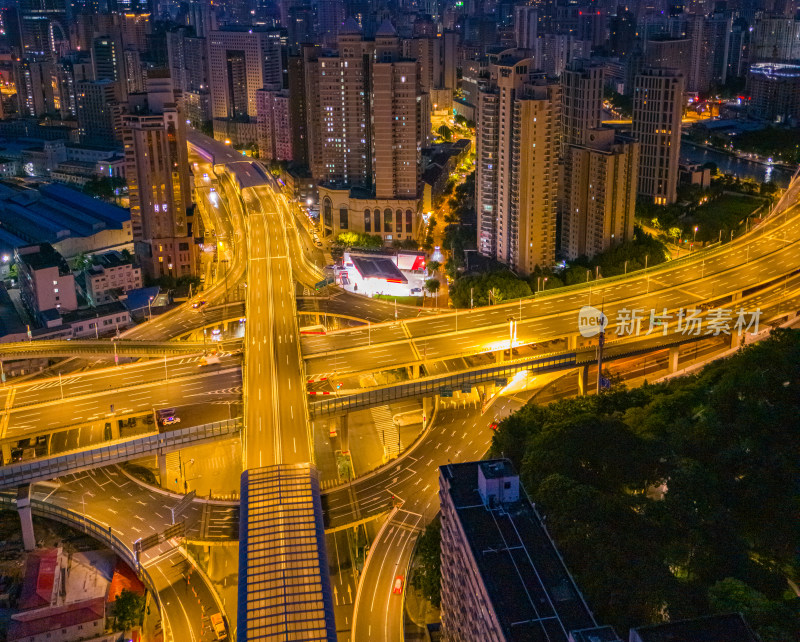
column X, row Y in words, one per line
column 732, row 273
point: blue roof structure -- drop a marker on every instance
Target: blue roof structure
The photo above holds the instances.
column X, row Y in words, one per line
column 53, row 212
column 284, row 586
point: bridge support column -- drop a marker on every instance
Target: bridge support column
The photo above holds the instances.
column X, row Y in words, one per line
column 114, row 428
column 413, row 371
column 428, row 406
column 736, row 340
column 162, row 467
column 572, row 342
column 583, row 380
column 26, row 517
column 737, row 296
column 6, row 447
column 344, row 436
column 673, row 358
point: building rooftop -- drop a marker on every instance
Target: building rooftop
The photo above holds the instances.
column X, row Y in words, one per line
column 53, row 212
column 378, row 267
column 28, row 625
column 10, row 322
column 531, row 590
column 87, row 314
column 730, row 627
column 41, row 257
column 40, row 578
column 282, row 544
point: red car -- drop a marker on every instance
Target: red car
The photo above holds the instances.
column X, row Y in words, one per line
column 493, row 425
column 397, row 589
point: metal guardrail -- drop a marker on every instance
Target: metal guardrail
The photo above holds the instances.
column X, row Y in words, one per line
column 122, row 347
column 102, row 533
column 50, row 467
column 434, row 386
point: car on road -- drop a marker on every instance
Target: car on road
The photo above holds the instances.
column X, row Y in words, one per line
column 198, row 304
column 170, row 421
column 416, row 290
column 208, row 360
column 493, row 425
column 397, row 589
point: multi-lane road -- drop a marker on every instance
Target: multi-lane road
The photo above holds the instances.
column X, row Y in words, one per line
column 767, row 254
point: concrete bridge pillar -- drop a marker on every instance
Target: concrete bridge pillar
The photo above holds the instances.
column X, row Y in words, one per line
column 673, row 358
column 428, row 406
column 583, row 380
column 572, row 342
column 736, row 340
column 6, row 447
column 413, row 371
column 114, row 428
column 161, row 457
column 737, row 296
column 26, row 516
column 344, row 436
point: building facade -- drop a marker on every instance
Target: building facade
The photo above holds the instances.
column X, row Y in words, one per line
column 46, row 283
column 502, row 576
column 518, row 148
column 242, row 61
column 774, row 92
column 158, row 181
column 658, row 100
column 599, row 193
column 274, row 124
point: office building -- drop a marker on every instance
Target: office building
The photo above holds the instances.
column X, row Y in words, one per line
column 100, row 112
column 503, row 578
column 242, row 61
column 107, row 59
column 774, row 90
column 274, row 125
column 158, row 179
column 43, row 27
column 46, row 284
column 657, row 110
column 518, row 148
column 38, row 90
column 598, row 196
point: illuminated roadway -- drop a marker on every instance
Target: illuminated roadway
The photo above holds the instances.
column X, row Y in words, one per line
column 278, row 395
column 769, row 253
column 276, row 417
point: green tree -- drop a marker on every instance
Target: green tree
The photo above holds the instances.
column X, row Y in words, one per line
column 445, row 132
column 432, row 286
column 774, row 621
column 427, row 576
column 82, row 261
column 128, row 609
column 433, row 266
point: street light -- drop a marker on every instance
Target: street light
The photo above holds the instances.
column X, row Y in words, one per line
column 149, row 309
column 694, row 237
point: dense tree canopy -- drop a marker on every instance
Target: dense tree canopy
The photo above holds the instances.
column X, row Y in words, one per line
column 677, row 499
